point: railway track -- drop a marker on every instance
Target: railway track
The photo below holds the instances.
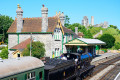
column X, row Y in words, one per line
column 102, row 66
column 111, row 74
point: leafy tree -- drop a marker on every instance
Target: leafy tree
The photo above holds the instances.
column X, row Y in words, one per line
column 117, row 38
column 108, row 39
column 37, row 50
column 95, row 30
column 111, row 31
column 4, row 53
column 5, row 23
column 112, row 26
column 117, row 45
column 81, row 28
column 67, row 22
column 88, row 34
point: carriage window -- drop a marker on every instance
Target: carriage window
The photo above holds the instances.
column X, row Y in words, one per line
column 40, row 76
column 31, row 76
column 13, row 79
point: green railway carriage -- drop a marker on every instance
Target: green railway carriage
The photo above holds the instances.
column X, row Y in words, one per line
column 25, row 68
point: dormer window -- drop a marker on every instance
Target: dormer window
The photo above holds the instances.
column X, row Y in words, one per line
column 57, row 34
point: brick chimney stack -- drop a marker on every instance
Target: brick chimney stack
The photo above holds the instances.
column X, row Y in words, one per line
column 44, row 12
column 19, row 12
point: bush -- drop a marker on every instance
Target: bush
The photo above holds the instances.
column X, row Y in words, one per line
column 2, row 48
column 81, row 28
column 37, row 50
column 4, row 53
column 117, row 45
column 105, row 50
column 108, row 39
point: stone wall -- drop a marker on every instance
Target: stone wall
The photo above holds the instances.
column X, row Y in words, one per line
column 57, row 43
column 44, row 38
column 12, row 40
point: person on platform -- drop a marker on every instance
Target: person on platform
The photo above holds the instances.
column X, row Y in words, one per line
column 79, row 50
column 63, row 57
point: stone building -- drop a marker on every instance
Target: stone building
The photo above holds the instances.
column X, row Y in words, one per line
column 48, row 30
column 103, row 25
column 85, row 21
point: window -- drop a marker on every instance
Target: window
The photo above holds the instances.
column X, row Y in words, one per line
column 57, row 34
column 40, row 75
column 31, row 76
column 57, row 52
column 13, row 79
column 18, row 55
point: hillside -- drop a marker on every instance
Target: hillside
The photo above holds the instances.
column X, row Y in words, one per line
column 91, row 31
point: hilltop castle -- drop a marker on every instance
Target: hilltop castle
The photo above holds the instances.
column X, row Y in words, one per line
column 85, row 22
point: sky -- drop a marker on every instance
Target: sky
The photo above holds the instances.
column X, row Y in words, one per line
column 102, row 10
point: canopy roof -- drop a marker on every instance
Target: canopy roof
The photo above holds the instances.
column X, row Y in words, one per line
column 85, row 42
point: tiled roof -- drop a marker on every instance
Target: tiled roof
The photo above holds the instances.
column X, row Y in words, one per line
column 69, row 31
column 34, row 25
column 22, row 45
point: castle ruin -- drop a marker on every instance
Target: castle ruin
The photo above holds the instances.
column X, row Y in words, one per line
column 85, row 22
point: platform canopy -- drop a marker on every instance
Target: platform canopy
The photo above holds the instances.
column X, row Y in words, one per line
column 85, row 42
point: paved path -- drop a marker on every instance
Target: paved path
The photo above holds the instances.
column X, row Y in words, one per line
column 104, row 57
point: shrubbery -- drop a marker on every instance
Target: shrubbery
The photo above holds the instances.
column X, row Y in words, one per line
column 117, row 45
column 108, row 39
column 4, row 53
column 37, row 50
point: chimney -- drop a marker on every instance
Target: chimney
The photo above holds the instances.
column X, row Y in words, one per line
column 44, row 12
column 76, row 30
column 19, row 12
column 62, row 18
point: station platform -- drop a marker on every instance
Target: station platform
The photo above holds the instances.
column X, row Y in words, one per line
column 104, row 57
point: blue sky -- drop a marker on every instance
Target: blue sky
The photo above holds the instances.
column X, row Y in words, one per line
column 102, row 10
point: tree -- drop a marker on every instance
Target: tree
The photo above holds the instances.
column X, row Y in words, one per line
column 67, row 22
column 37, row 50
column 5, row 23
column 81, row 28
column 88, row 34
column 111, row 31
column 117, row 45
column 4, row 53
column 112, row 26
column 108, row 39
column 95, row 30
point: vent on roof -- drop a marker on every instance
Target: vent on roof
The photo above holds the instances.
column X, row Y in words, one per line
column 1, row 60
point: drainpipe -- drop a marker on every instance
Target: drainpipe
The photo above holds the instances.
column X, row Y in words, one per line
column 31, row 45
column 18, row 37
column 62, row 42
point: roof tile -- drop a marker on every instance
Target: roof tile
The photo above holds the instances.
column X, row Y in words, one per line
column 22, row 45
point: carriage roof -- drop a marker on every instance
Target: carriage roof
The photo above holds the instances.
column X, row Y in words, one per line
column 13, row 66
